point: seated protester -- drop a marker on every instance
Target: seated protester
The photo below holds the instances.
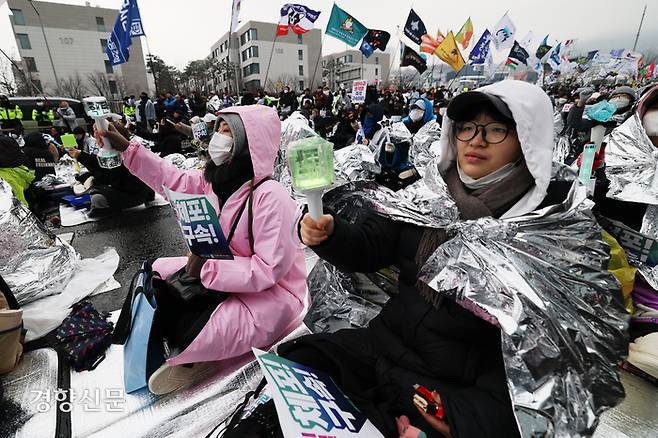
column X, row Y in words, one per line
column 265, row 284
column 168, row 140
column 420, row 112
column 13, row 169
column 630, row 213
column 41, row 155
column 348, row 125
column 86, row 143
column 496, row 161
column 113, row 189
column 371, row 132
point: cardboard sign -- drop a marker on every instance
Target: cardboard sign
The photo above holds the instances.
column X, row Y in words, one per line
column 638, row 247
column 199, row 130
column 308, row 402
column 359, row 91
column 199, row 224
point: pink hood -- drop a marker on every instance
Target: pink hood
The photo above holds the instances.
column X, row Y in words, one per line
column 650, row 98
column 263, row 129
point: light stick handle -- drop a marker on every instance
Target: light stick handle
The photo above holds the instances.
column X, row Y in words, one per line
column 598, row 132
column 314, row 199
column 103, row 124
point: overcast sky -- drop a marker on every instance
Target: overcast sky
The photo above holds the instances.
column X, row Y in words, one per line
column 180, row 31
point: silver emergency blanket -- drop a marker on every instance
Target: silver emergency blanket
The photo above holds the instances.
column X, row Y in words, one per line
column 632, row 164
column 337, row 296
column 33, row 262
column 425, row 145
column 561, row 149
column 542, row 279
column 32, row 385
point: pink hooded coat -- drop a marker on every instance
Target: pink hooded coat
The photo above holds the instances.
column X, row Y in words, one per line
column 268, row 290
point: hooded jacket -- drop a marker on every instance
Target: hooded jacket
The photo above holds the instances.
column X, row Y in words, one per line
column 446, row 348
column 39, row 157
column 427, row 116
column 533, row 114
column 268, row 293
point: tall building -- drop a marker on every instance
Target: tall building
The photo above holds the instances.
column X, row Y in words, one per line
column 77, row 38
column 294, row 58
column 350, row 65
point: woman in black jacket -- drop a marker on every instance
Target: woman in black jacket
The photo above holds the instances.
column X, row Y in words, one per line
column 496, row 161
column 41, row 156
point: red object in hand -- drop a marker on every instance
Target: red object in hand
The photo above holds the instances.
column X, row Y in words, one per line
column 599, row 159
column 424, row 399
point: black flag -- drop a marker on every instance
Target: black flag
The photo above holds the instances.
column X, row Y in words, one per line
column 415, row 28
column 519, row 53
column 413, row 59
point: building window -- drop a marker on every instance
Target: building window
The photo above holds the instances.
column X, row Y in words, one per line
column 19, row 19
column 252, row 85
column 278, row 51
column 376, row 72
column 23, row 40
column 30, row 64
column 249, row 35
column 100, row 24
column 108, row 67
column 251, row 69
column 251, row 52
column 301, row 70
column 301, row 85
column 300, row 55
column 103, row 46
column 377, row 60
column 350, row 58
column 300, row 40
column 113, row 87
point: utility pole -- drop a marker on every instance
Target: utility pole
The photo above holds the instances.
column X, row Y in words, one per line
column 52, row 64
column 637, row 37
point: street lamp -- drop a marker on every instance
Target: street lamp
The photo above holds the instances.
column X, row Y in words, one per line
column 52, row 64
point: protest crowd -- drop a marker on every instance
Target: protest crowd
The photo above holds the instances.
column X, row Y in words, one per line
column 428, row 260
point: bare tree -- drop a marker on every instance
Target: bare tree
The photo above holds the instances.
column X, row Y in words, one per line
column 331, row 70
column 73, row 86
column 98, row 83
column 7, row 84
column 283, row 80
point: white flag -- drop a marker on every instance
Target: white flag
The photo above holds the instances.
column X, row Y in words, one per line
column 503, row 34
column 235, row 13
column 527, row 41
column 491, row 68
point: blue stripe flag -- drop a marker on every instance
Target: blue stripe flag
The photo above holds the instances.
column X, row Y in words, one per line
column 127, row 25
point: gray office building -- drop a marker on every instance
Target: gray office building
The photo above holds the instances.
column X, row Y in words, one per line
column 294, row 57
column 350, row 65
column 77, row 38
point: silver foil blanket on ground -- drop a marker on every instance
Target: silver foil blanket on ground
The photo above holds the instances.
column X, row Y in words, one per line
column 542, row 279
column 632, row 164
column 33, row 261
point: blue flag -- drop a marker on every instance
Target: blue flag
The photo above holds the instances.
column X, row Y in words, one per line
column 555, row 56
column 128, row 25
column 481, row 49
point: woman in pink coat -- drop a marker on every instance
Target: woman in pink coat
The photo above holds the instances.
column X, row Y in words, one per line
column 267, row 293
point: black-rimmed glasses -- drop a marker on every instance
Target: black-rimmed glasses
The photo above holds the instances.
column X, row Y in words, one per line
column 492, row 133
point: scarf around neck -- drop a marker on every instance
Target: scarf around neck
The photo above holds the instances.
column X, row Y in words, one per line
column 493, row 201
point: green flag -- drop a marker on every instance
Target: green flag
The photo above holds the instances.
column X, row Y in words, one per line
column 345, row 27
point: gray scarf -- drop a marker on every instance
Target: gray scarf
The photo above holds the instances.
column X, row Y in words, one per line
column 493, row 200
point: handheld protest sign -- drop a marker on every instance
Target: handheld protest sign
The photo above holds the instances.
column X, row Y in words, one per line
column 68, row 141
column 311, row 162
column 309, row 403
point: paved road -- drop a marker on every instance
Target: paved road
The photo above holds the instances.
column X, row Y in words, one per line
column 136, row 235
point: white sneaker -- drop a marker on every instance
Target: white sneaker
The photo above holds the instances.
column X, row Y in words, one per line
column 643, row 354
column 169, row 378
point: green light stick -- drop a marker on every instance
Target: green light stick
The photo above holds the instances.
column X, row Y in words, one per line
column 311, row 162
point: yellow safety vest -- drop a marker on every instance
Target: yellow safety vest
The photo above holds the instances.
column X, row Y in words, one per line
column 36, row 115
column 11, row 114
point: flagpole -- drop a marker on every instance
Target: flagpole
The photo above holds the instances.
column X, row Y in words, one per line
column 318, row 63
column 390, row 67
column 148, row 49
column 269, row 63
column 637, row 37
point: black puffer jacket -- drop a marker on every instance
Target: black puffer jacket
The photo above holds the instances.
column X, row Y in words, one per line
column 447, row 349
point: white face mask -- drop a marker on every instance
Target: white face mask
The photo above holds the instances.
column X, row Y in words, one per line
column 416, row 114
column 486, row 180
column 219, row 148
column 442, row 111
column 650, row 122
column 620, row 101
column 561, row 101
